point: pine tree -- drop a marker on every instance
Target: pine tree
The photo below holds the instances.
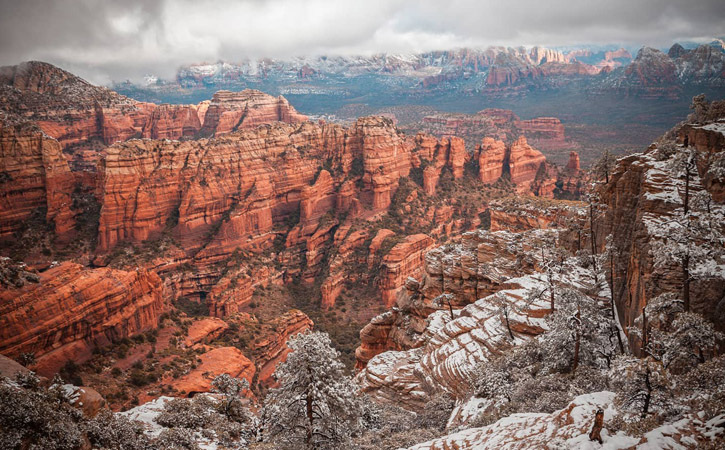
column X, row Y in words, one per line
column 674, row 337
column 604, row 167
column 231, row 389
column 315, row 406
column 579, row 333
column 643, row 384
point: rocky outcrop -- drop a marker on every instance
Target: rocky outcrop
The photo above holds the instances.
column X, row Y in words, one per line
column 173, row 122
column 271, row 347
column 542, row 128
column 450, row 347
column 86, row 399
column 34, row 177
column 652, row 74
column 404, row 260
column 524, row 163
column 480, row 265
column 477, row 298
column 528, row 169
column 73, row 310
column 10, row 368
column 457, row 156
column 77, row 113
column 384, row 159
column 491, row 160
column 231, row 111
column 573, row 163
column 229, row 360
column 571, row 426
column 204, row 330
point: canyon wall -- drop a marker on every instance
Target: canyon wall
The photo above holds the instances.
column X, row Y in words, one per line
column 72, row 310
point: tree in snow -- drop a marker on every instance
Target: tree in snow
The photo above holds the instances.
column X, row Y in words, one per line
column 177, row 439
column 643, row 385
column 495, row 381
column 603, row 168
column 579, row 333
column 678, row 339
column 552, row 264
column 231, row 389
column 436, row 412
column 387, row 426
column 315, row 405
column 115, row 432
column 444, row 301
column 35, row 417
column 226, row 422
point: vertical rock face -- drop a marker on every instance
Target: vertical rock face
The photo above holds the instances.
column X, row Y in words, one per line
column 404, row 260
column 34, row 176
column 230, row 111
column 173, row 122
column 524, row 163
column 491, row 160
column 318, row 199
column 457, row 156
column 386, row 158
column 346, row 243
column 431, row 175
column 73, row 309
column 644, row 194
column 709, row 141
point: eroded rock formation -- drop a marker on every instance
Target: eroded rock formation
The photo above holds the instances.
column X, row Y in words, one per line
column 34, row 177
column 73, row 310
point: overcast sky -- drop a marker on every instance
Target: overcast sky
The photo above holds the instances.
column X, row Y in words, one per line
column 127, row 39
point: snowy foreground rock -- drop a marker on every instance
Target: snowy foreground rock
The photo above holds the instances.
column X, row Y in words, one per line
column 452, row 347
column 569, row 428
column 455, row 346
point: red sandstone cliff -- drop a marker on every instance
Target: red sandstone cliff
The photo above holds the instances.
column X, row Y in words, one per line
column 230, row 111
column 73, row 309
column 34, row 176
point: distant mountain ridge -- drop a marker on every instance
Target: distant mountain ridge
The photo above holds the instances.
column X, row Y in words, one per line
column 424, row 65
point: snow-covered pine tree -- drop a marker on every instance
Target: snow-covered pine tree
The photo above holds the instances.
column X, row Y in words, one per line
column 231, row 389
column 315, row 405
column 643, row 385
column 678, row 339
column 579, row 333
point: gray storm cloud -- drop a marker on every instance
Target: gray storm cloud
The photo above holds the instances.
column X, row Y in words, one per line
column 106, row 40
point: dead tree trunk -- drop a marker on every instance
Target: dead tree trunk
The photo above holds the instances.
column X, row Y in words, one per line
column 596, row 433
